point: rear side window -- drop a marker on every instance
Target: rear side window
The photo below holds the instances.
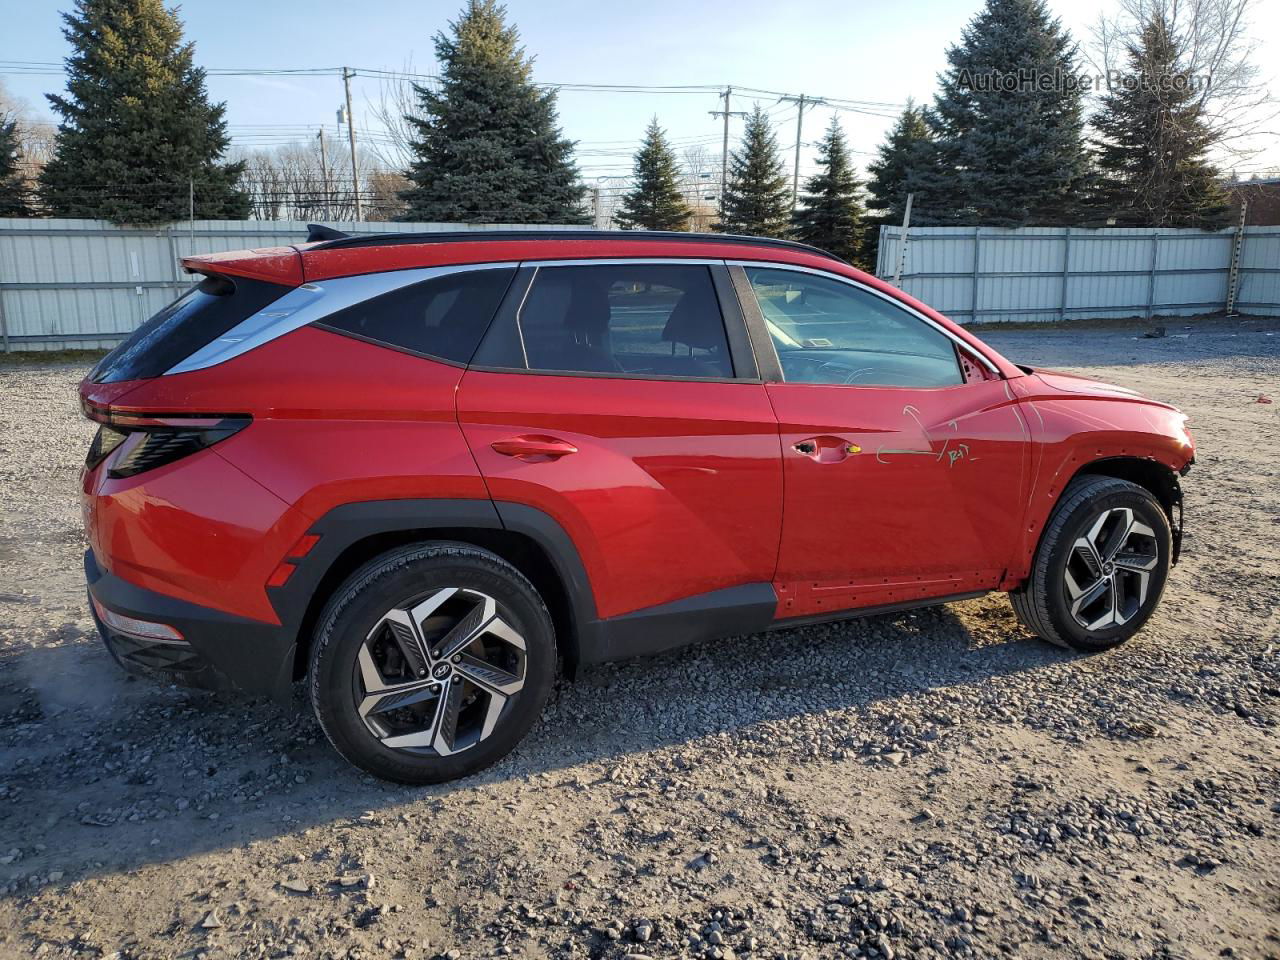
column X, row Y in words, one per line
column 444, row 317
column 660, row 320
column 201, row 315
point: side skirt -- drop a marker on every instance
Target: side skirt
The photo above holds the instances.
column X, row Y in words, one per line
column 860, row 612
column 748, row 608
column 729, row 612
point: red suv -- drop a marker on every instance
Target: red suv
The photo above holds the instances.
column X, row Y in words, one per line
column 422, row 471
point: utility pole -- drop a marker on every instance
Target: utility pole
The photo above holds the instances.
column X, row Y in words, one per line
column 801, row 102
column 347, row 74
column 724, row 149
column 324, row 172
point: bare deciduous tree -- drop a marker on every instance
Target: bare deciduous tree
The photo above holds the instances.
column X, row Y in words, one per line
column 396, row 103
column 35, row 137
column 385, row 187
column 292, row 183
column 700, row 172
column 1218, row 52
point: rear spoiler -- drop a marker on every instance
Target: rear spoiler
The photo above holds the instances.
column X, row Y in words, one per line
column 274, row 264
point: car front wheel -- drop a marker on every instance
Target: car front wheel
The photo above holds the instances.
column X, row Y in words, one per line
column 1100, row 568
column 431, row 662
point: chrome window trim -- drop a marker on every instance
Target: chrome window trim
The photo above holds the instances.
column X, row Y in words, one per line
column 906, row 308
column 311, row 302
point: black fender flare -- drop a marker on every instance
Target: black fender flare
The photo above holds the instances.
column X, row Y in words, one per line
column 745, row 608
column 346, row 525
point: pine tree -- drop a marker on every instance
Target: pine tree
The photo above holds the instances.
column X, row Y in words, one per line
column 13, row 185
column 902, row 167
column 1008, row 120
column 1153, row 139
column 655, row 203
column 137, row 129
column 758, row 199
column 830, row 215
column 488, row 147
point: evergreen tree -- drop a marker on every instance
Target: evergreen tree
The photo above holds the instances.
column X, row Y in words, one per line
column 13, row 185
column 903, row 166
column 655, row 203
column 1008, row 121
column 758, row 199
column 137, row 128
column 830, row 215
column 1153, row 139
column 488, row 147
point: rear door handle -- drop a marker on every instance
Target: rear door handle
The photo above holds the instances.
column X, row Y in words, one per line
column 826, row 449
column 533, row 448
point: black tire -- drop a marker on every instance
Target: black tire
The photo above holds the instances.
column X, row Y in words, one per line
column 397, row 579
column 1043, row 604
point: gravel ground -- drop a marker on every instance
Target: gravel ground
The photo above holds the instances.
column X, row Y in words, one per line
column 928, row 784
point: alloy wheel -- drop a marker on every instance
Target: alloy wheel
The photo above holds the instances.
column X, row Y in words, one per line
column 434, row 676
column 1109, row 569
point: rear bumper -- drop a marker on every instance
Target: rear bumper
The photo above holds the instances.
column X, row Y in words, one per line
column 220, row 650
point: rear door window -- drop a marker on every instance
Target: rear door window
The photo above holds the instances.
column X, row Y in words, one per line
column 444, row 317
column 201, row 315
column 658, row 320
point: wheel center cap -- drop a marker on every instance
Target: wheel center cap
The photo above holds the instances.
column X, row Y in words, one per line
column 1108, row 568
column 440, row 671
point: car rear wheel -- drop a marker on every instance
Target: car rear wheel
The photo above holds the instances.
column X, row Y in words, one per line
column 1100, row 568
column 431, row 662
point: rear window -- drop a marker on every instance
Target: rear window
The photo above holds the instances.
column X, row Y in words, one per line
column 444, row 317
column 201, row 315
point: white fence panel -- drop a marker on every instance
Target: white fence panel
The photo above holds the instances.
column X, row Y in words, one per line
column 1260, row 273
column 85, row 283
column 1050, row 273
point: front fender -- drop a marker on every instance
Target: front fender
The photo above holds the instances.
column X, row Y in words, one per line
column 1071, row 433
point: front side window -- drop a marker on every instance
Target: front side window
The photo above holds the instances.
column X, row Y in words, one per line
column 660, row 320
column 443, row 317
column 826, row 331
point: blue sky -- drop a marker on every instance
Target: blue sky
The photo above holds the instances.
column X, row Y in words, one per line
column 873, row 51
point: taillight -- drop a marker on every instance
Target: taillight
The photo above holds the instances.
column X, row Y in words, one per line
column 144, row 441
column 104, row 441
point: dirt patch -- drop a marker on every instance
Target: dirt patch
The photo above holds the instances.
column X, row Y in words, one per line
column 928, row 784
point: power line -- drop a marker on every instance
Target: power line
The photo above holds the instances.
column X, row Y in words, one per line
column 51, row 68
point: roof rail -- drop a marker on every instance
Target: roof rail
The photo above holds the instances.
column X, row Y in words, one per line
column 456, row 236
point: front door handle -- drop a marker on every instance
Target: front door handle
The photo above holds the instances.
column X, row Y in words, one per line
column 826, row 449
column 534, row 448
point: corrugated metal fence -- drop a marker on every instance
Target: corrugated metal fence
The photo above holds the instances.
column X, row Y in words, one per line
column 1053, row 273
column 84, row 283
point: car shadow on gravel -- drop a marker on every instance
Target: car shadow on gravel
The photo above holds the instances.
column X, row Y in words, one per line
column 126, row 773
